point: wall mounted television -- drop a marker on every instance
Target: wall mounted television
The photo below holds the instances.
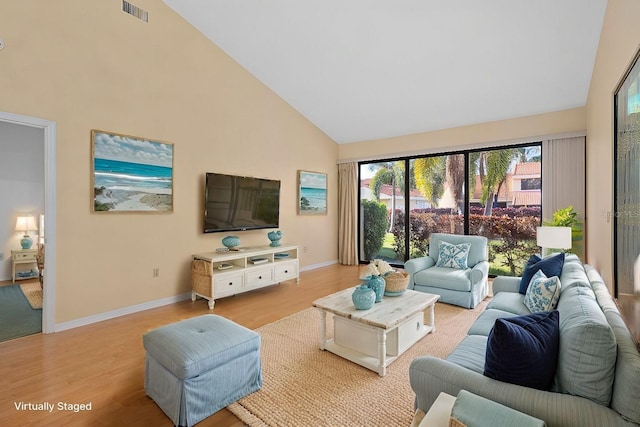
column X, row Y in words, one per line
column 238, row 203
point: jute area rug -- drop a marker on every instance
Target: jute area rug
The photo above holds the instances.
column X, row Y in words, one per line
column 33, row 293
column 305, row 386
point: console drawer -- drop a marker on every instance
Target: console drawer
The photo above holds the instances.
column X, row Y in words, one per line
column 257, row 277
column 285, row 270
column 227, row 284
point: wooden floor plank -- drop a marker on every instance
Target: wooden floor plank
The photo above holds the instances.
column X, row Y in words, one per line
column 103, row 363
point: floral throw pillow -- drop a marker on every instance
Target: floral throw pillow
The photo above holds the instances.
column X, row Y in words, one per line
column 543, row 293
column 453, row 256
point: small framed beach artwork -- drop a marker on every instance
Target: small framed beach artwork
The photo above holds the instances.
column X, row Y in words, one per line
column 312, row 193
column 130, row 174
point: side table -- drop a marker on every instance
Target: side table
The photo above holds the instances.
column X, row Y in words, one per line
column 23, row 256
column 440, row 412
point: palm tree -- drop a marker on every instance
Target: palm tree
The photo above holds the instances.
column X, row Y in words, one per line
column 456, row 178
column 430, row 175
column 492, row 167
column 390, row 173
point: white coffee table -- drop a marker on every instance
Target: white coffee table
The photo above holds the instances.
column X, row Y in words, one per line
column 376, row 337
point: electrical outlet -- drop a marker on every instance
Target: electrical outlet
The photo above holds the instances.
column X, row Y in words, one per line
column 156, row 272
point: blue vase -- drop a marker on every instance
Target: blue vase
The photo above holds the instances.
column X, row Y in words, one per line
column 275, row 237
column 231, row 241
column 363, row 297
column 377, row 284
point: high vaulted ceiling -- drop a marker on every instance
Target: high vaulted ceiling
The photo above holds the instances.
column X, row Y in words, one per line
column 369, row 69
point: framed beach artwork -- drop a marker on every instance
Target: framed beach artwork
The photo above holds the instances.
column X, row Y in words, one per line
column 312, row 193
column 130, row 174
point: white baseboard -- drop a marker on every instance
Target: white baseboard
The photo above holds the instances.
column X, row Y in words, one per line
column 120, row 312
column 148, row 305
column 322, row 264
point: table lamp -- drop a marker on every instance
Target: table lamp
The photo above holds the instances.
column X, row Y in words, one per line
column 25, row 224
column 553, row 237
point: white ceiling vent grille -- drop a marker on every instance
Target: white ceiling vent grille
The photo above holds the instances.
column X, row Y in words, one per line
column 134, row 10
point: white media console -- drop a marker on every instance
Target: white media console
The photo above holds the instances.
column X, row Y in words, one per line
column 222, row 274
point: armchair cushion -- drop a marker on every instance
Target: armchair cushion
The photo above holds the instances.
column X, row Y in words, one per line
column 523, row 350
column 453, row 256
column 551, row 266
column 444, row 277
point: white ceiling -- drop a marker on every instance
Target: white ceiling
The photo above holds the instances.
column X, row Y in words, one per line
column 368, row 69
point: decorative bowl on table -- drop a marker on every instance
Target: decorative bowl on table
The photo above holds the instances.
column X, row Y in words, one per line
column 396, row 283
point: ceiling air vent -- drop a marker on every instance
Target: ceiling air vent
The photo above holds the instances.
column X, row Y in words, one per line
column 134, row 10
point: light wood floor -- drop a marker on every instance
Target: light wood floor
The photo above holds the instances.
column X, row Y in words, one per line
column 103, row 363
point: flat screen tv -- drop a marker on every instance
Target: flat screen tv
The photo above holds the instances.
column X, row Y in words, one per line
column 235, row 203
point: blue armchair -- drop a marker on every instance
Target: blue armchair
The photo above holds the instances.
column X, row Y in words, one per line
column 464, row 287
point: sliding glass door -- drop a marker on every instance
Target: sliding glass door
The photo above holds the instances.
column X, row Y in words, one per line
column 505, row 204
column 495, row 193
column 382, row 207
column 626, row 218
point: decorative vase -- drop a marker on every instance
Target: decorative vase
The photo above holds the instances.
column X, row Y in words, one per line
column 231, row 241
column 377, row 284
column 363, row 297
column 26, row 242
column 275, row 237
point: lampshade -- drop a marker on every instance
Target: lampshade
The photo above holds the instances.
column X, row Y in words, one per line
column 554, row 237
column 26, row 223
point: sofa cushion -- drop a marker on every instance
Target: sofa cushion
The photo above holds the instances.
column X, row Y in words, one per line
column 587, row 356
column 573, row 273
column 523, row 350
column 484, row 323
column 470, row 353
column 543, row 293
column 551, row 266
column 513, row 302
column 453, row 256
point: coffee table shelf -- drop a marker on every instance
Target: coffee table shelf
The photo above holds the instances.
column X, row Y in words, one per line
column 376, row 337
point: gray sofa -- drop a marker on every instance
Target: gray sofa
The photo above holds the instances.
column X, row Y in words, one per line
column 597, row 380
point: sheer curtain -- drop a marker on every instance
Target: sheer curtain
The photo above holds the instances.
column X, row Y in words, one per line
column 348, row 213
column 563, row 181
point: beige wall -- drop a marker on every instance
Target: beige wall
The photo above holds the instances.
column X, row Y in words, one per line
column 618, row 43
column 87, row 65
column 507, row 131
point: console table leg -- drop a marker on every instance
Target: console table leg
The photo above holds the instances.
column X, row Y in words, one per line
column 211, row 303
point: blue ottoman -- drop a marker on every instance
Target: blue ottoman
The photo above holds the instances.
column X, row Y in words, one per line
column 196, row 367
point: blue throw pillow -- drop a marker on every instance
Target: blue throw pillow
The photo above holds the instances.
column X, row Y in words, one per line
column 523, row 350
column 453, row 256
column 550, row 266
column 543, row 293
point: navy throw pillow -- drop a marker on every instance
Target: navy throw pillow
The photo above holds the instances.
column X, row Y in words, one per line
column 550, row 266
column 523, row 350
